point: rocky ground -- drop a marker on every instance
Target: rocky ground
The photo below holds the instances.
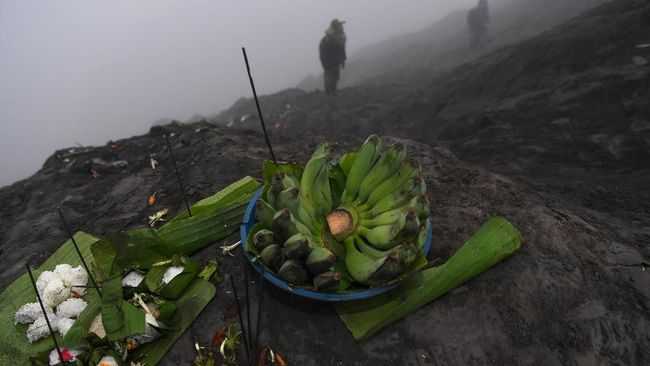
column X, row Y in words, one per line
column 552, row 134
column 576, row 294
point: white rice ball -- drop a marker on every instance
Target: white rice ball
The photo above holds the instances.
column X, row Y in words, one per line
column 70, row 308
column 72, row 276
column 55, row 293
column 63, row 325
column 132, row 279
column 61, row 269
column 171, row 273
column 97, row 327
column 39, row 330
column 107, row 361
column 44, row 278
column 29, row 312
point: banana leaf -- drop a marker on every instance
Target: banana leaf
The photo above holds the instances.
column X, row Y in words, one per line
column 14, row 347
column 77, row 334
column 174, row 289
column 188, row 308
column 16, row 350
column 184, row 237
column 496, row 240
column 237, row 192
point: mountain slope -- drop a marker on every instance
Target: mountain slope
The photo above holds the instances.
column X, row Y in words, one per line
column 552, row 133
column 576, row 293
column 414, row 57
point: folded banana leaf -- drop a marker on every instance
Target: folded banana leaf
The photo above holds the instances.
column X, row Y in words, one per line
column 235, row 193
column 213, row 219
column 175, row 288
column 16, row 350
column 14, row 347
column 496, row 240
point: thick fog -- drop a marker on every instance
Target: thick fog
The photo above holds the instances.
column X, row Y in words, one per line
column 84, row 72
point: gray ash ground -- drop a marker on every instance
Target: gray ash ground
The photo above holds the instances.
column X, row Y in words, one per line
column 577, row 292
column 553, row 134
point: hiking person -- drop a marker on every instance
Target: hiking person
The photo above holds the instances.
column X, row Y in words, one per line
column 332, row 55
column 478, row 19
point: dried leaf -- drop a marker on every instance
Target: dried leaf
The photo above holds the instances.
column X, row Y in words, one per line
column 154, row 163
column 152, row 199
column 158, row 216
column 219, row 337
column 230, row 311
column 280, row 360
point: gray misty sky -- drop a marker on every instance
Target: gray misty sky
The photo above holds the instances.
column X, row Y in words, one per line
column 80, row 71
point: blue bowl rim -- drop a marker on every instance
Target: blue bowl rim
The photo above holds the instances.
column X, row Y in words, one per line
column 248, row 223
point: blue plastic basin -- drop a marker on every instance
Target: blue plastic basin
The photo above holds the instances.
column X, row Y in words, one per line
column 247, row 226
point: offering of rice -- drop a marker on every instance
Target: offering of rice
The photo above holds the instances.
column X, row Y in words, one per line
column 132, row 279
column 171, row 273
column 108, row 361
column 45, row 278
column 63, row 325
column 39, row 330
column 55, row 293
column 97, row 327
column 75, row 278
column 70, row 308
column 29, row 312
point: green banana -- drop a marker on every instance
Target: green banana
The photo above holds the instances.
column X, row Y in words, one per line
column 371, row 251
column 274, row 189
column 423, row 234
column 387, row 165
column 395, row 264
column 264, row 213
column 263, row 239
column 314, row 185
column 272, row 256
column 289, row 181
column 360, row 266
column 282, row 225
column 421, row 205
column 395, row 200
column 327, row 281
column 399, row 180
column 288, row 198
column 322, row 192
column 304, row 229
column 381, row 237
column 293, row 272
column 411, row 226
column 296, row 247
column 320, row 260
column 386, row 218
column 363, row 162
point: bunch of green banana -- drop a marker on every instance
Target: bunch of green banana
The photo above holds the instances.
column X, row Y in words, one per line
column 374, row 235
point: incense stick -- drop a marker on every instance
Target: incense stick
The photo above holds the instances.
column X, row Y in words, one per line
column 76, row 247
column 260, row 301
column 178, row 175
column 47, row 319
column 257, row 104
column 241, row 320
column 248, row 307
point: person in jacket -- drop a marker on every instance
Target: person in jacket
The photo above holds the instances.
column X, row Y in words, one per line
column 478, row 19
column 332, row 55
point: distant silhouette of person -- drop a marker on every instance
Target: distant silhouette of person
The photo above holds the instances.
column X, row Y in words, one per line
column 478, row 19
column 332, row 55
